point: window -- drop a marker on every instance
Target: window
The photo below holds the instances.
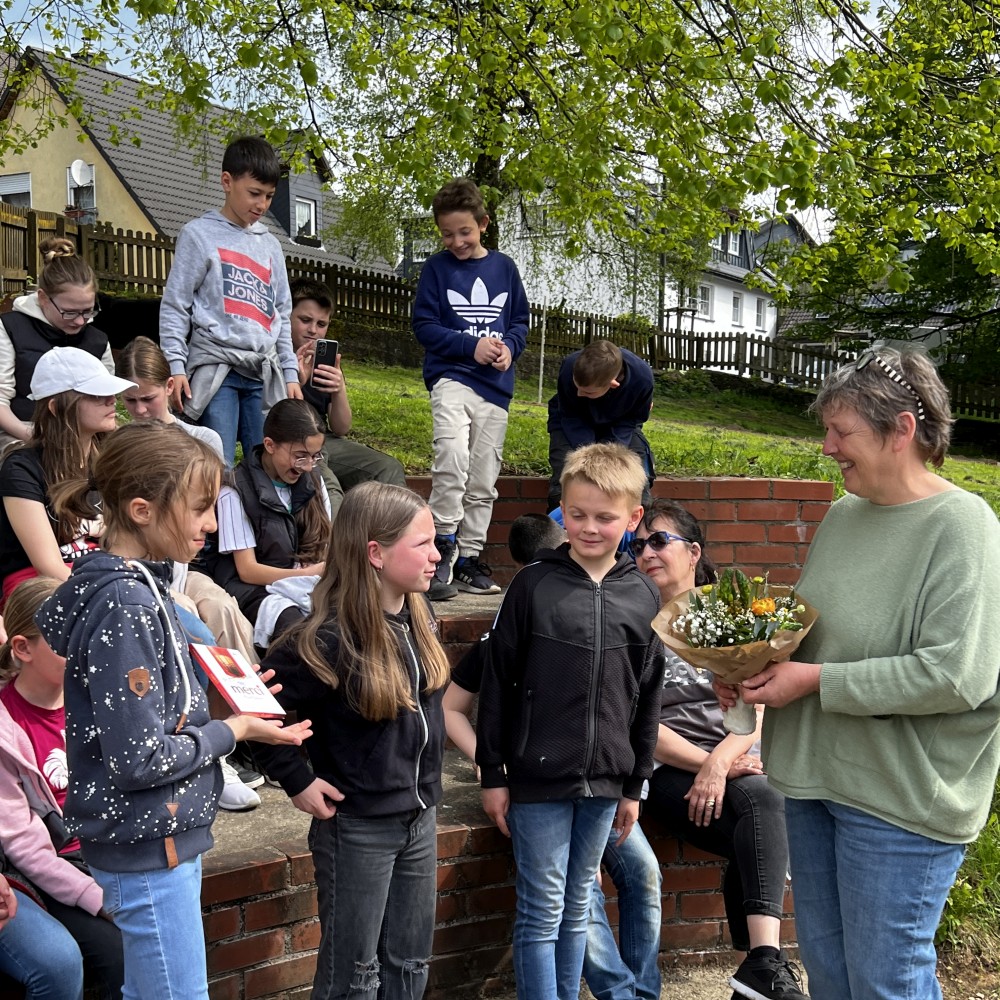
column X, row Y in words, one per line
column 305, row 218
column 761, row 313
column 15, row 189
column 734, row 243
column 737, row 309
column 717, row 242
column 81, row 198
column 700, row 300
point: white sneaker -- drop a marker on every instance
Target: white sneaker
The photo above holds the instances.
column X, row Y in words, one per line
column 236, row 797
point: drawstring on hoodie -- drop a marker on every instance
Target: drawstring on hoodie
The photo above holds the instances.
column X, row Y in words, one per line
column 173, row 639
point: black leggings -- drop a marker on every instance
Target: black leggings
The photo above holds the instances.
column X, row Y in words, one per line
column 750, row 834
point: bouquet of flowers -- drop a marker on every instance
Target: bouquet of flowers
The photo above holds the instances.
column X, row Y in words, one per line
column 735, row 628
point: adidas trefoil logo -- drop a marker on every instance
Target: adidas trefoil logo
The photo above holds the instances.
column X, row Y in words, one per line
column 478, row 308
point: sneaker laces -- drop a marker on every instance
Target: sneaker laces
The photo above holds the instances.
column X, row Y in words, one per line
column 478, row 567
column 229, row 772
column 787, row 975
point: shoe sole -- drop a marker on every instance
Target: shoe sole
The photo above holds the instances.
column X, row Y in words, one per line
column 744, row 992
column 251, row 782
column 442, row 597
column 247, row 807
column 468, row 588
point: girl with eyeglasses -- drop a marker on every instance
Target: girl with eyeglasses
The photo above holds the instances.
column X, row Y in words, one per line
column 59, row 314
column 274, row 520
column 74, row 400
column 709, row 787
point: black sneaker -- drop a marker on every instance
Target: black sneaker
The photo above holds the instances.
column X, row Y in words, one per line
column 769, row 977
column 439, row 591
column 449, row 554
column 474, row 577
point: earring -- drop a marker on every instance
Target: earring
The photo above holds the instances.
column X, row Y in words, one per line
column 378, row 569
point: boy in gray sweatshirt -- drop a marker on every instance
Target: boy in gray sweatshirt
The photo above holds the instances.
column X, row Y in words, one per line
column 225, row 315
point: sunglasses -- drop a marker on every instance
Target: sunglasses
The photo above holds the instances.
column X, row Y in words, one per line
column 656, row 540
column 867, row 357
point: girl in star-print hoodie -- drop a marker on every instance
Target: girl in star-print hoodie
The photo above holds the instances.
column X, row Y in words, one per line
column 143, row 754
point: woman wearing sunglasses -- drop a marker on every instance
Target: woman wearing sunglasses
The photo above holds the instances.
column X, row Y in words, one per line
column 709, row 786
column 59, row 314
column 884, row 735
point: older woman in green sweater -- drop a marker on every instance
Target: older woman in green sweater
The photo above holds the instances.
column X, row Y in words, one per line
column 884, row 735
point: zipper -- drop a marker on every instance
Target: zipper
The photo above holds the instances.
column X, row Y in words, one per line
column 522, row 744
column 595, row 687
column 420, row 712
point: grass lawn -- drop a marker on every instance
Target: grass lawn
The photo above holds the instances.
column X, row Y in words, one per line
column 710, row 433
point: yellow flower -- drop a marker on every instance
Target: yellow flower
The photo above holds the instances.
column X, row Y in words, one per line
column 758, row 579
column 706, row 588
column 763, row 606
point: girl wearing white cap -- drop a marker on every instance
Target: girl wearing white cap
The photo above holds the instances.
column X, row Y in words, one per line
column 74, row 397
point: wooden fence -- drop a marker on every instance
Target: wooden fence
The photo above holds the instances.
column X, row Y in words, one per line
column 373, row 308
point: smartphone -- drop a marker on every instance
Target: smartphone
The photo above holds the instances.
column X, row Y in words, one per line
column 325, row 354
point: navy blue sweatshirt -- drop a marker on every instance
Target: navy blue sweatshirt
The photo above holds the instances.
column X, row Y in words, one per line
column 611, row 417
column 142, row 795
column 457, row 303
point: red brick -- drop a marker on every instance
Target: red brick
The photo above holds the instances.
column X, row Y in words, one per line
column 767, row 510
column 451, row 840
column 487, row 839
column 692, row 877
column 229, row 988
column 467, row 936
column 703, row 934
column 666, row 849
column 681, row 489
column 719, row 510
column 464, row 628
column 449, row 906
column 507, row 510
column 468, row 967
column 813, row 511
column 739, row 532
column 247, row 951
column 492, row 899
column 765, row 554
column 277, row 910
column 473, row 873
column 722, row 553
column 243, row 874
column 788, row 575
column 420, row 484
column 701, row 905
column 797, row 533
column 220, row 924
column 508, row 487
column 740, row 489
column 536, row 489
column 692, row 854
column 283, row 975
column 802, row 489
column 305, row 936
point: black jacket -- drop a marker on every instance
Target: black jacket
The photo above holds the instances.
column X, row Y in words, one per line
column 381, row 767
column 570, row 700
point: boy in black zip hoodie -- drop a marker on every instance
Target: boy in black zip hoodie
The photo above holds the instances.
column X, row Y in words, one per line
column 568, row 714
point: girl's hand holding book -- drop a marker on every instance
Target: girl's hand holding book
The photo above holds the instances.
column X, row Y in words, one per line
column 318, row 799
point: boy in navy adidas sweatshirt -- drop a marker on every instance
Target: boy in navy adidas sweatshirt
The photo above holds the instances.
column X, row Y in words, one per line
column 471, row 315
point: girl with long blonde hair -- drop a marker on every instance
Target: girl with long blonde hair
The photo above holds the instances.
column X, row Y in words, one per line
column 368, row 664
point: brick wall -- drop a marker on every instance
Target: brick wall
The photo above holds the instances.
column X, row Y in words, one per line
column 260, row 905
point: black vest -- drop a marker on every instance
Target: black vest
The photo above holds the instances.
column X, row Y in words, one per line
column 31, row 338
column 275, row 529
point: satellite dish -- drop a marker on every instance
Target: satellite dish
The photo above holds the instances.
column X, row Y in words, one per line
column 82, row 173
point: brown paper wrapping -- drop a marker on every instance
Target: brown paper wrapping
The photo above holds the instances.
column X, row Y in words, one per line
column 732, row 664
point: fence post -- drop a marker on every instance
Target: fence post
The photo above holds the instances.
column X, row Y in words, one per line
column 741, row 347
column 31, row 258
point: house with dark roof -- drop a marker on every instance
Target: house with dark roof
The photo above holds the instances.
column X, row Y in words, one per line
column 108, row 151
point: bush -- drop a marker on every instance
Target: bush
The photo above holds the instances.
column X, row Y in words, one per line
column 687, row 384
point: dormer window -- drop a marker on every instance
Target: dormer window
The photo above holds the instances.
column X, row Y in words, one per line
column 305, row 218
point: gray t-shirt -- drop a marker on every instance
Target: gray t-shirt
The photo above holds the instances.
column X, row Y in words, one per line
column 689, row 706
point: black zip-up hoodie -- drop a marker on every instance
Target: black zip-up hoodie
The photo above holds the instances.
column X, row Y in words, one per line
column 142, row 796
column 382, row 768
column 570, row 702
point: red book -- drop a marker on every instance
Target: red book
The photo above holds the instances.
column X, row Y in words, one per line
column 239, row 683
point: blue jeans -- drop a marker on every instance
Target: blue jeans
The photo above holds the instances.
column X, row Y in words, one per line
column 159, row 915
column 235, row 411
column 558, row 848
column 38, row 952
column 868, row 899
column 376, row 881
column 628, row 969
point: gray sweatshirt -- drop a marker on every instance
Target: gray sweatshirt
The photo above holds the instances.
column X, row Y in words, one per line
column 227, row 288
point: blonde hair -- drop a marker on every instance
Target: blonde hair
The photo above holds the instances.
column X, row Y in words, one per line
column 611, row 468
column 185, row 471
column 19, row 619
column 142, row 359
column 61, row 267
column 375, row 680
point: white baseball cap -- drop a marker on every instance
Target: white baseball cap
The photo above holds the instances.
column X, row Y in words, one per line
column 65, row 368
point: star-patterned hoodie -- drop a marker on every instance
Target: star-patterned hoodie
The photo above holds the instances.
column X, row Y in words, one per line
column 144, row 780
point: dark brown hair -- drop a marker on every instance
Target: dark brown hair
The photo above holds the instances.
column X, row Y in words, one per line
column 459, row 195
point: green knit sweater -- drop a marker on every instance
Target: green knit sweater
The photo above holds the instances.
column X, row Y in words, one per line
column 905, row 724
